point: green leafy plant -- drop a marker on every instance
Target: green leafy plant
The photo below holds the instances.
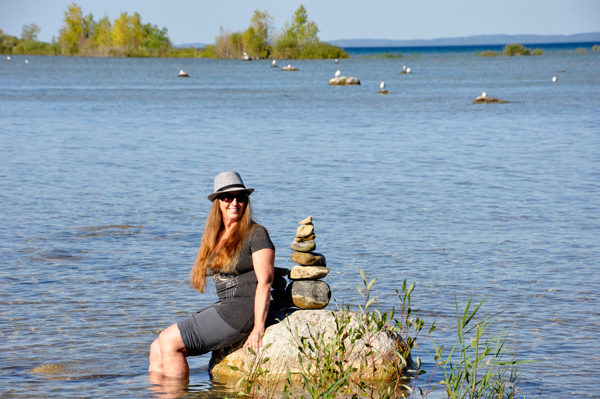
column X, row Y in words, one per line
column 515, row 49
column 257, row 380
column 479, row 365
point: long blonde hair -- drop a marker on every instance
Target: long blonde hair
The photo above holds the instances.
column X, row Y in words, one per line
column 221, row 259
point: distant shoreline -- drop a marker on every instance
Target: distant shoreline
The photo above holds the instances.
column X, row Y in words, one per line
column 462, row 48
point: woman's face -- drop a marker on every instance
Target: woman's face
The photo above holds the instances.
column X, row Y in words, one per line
column 232, row 211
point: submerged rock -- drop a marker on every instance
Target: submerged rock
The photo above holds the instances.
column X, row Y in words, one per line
column 283, row 350
column 344, row 81
column 289, row 68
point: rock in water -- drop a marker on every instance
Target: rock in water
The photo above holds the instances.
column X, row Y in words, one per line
column 308, row 220
column 301, row 239
column 344, row 81
column 308, row 272
column 283, row 351
column 308, row 258
column 304, row 246
column 482, row 100
column 305, row 230
column 310, row 294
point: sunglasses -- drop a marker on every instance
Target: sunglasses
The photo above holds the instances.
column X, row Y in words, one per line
column 240, row 197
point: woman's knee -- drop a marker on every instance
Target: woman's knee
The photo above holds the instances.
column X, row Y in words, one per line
column 170, row 340
column 155, row 350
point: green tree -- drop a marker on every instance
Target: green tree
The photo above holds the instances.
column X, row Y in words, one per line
column 121, row 35
column 155, row 38
column 102, row 33
column 297, row 34
column 72, row 30
column 30, row 32
column 256, row 38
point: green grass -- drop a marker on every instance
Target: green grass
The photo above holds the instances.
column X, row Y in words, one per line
column 383, row 55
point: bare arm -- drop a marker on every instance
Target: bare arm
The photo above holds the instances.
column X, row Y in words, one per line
column 264, row 267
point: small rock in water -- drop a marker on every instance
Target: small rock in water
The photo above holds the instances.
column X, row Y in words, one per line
column 310, row 294
column 305, row 230
column 486, row 99
column 308, row 258
column 308, row 220
column 301, row 239
column 304, row 246
column 183, row 74
column 308, row 272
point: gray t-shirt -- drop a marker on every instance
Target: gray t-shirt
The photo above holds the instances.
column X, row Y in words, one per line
column 237, row 289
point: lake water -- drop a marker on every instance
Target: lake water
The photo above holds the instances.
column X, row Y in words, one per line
column 105, row 165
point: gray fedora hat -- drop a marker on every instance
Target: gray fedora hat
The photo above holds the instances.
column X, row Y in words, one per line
column 226, row 182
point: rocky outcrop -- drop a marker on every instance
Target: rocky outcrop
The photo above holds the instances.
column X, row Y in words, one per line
column 283, row 351
column 486, row 99
column 289, row 68
column 344, row 81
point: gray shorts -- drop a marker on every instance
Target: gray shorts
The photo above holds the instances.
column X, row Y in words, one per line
column 206, row 331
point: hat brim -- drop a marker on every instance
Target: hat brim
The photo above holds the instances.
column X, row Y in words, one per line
column 213, row 196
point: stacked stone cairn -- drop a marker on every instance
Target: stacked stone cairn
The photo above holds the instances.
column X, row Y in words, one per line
column 306, row 290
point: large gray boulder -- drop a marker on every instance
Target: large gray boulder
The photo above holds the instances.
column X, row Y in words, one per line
column 283, row 351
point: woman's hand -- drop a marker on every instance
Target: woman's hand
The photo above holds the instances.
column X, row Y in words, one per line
column 255, row 339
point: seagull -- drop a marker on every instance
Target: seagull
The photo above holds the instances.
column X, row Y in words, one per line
column 7, row 58
column 336, row 61
column 382, row 85
column 337, row 73
column 404, row 68
column 484, row 94
column 407, row 70
column 554, row 79
column 289, row 65
column 27, row 62
column 274, row 62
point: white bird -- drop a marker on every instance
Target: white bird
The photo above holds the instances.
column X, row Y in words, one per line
column 183, row 74
column 407, row 70
column 27, row 62
column 336, row 61
column 7, row 58
column 382, row 85
column 337, row 73
column 484, row 94
column 554, row 79
column 274, row 62
column 289, row 65
column 404, row 68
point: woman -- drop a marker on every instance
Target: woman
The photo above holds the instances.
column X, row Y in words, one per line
column 239, row 255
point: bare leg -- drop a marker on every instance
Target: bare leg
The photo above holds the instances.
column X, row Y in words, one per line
column 173, row 353
column 156, row 365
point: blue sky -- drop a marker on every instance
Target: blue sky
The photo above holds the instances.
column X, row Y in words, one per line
column 190, row 21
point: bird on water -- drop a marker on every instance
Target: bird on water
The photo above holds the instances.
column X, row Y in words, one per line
column 337, row 74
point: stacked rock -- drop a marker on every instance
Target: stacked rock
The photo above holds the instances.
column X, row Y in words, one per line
column 307, row 291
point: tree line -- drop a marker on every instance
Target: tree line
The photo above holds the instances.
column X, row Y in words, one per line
column 127, row 36
column 297, row 39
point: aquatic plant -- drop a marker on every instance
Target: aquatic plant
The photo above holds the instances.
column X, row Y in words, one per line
column 596, row 47
column 515, row 49
column 488, row 53
column 537, row 51
column 580, row 50
column 479, row 364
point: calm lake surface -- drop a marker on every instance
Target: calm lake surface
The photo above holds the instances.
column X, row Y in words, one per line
column 105, row 165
